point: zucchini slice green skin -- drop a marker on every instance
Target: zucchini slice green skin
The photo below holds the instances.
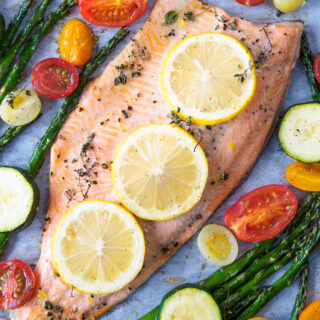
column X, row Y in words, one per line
column 177, row 294
column 299, row 132
column 31, row 209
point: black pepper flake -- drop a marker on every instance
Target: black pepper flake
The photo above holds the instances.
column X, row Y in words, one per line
column 165, row 250
column 154, row 101
column 130, row 108
column 101, row 123
column 224, row 176
column 130, row 289
column 175, row 244
column 99, row 99
column 95, row 182
column 125, row 113
column 80, row 109
column 28, row 93
column 208, row 127
column 104, row 166
column 119, row 119
column 198, row 216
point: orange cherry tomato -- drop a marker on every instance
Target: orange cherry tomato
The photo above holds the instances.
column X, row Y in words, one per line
column 76, row 42
column 304, row 176
column 311, row 312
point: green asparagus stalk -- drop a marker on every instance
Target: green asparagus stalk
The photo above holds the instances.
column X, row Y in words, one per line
column 17, row 71
column 15, row 48
column 308, row 61
column 232, row 313
column 3, row 240
column 302, row 293
column 2, row 28
column 14, row 26
column 9, row 135
column 225, row 273
column 275, row 254
column 286, row 280
column 70, row 103
column 265, row 273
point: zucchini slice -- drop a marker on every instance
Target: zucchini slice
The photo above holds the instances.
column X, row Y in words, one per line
column 299, row 132
column 20, row 107
column 19, row 199
column 190, row 302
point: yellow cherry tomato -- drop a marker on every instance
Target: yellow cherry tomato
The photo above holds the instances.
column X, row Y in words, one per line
column 311, row 312
column 288, row 5
column 304, row 176
column 76, row 42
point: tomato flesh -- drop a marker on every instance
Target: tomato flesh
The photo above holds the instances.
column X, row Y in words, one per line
column 251, row 3
column 262, row 213
column 17, row 284
column 316, row 67
column 54, row 78
column 112, row 13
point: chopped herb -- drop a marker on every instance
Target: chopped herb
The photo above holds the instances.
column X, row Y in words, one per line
column 28, row 93
column 170, row 17
column 48, row 305
column 233, row 25
column 190, row 16
column 217, row 27
column 243, row 76
column 135, row 74
column 121, row 79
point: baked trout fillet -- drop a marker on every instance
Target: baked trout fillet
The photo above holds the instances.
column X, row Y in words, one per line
column 113, row 106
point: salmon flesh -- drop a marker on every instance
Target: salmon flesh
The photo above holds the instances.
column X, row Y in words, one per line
column 111, row 112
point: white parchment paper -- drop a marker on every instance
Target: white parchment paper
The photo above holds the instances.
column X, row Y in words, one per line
column 187, row 265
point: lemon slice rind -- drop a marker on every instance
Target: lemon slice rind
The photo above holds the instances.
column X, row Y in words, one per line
column 98, row 286
column 192, row 147
column 191, row 87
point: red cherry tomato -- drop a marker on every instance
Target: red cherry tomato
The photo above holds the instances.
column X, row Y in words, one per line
column 112, row 13
column 17, row 284
column 316, row 67
column 251, row 3
column 262, row 213
column 54, row 78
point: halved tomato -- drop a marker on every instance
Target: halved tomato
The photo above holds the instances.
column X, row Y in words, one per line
column 17, row 284
column 262, row 213
column 54, row 78
column 112, row 13
column 251, row 3
column 316, row 67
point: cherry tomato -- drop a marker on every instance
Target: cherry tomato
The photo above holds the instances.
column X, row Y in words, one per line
column 251, row 3
column 304, row 176
column 54, row 78
column 17, row 284
column 311, row 312
column 316, row 67
column 112, row 13
column 76, row 42
column 262, row 213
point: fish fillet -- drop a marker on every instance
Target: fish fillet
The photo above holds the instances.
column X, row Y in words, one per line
column 112, row 112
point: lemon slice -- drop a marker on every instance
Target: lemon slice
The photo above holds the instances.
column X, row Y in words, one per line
column 217, row 244
column 209, row 77
column 159, row 172
column 98, row 247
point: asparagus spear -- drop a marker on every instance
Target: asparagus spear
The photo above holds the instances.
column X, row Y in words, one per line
column 14, row 50
column 14, row 26
column 270, row 257
column 225, row 273
column 286, row 280
column 17, row 71
column 70, row 103
column 232, row 313
column 265, row 273
column 2, row 28
column 3, row 240
column 308, row 61
column 302, row 293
